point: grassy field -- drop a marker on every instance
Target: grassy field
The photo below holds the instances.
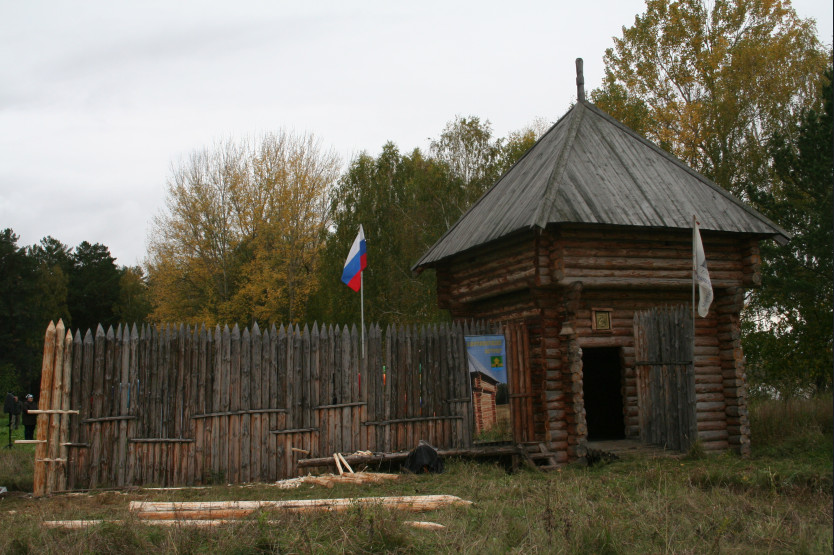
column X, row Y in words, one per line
column 777, row 501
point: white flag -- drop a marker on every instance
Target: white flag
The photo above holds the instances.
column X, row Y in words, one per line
column 701, row 274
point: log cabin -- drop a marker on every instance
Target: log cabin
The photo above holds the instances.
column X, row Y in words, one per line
column 583, row 250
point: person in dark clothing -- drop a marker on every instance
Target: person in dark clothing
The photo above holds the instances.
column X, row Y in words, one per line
column 14, row 416
column 29, row 420
column 12, row 408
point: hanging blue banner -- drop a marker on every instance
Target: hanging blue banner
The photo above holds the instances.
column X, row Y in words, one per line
column 487, row 354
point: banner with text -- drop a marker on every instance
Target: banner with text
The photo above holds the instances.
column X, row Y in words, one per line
column 487, row 354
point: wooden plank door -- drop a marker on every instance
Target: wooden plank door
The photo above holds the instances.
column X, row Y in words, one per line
column 665, row 377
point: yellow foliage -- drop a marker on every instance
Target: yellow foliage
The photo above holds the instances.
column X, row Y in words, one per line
column 242, row 232
column 710, row 81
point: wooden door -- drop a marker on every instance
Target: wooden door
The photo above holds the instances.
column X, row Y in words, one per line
column 665, row 377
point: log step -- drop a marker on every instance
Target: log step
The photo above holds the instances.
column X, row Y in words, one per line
column 540, row 455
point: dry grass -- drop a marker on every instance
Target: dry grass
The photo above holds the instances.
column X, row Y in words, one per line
column 791, row 426
column 777, row 501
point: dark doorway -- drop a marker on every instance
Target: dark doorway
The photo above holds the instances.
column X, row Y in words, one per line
column 602, row 386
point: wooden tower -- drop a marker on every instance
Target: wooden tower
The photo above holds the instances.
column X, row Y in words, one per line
column 584, row 249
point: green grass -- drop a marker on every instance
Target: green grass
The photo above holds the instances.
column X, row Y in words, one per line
column 777, row 501
column 17, row 461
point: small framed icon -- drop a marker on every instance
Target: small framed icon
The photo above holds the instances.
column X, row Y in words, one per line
column 601, row 319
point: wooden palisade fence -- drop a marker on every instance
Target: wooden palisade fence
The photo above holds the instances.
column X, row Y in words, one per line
column 176, row 405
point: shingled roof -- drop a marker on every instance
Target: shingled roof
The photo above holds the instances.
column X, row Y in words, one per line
column 591, row 169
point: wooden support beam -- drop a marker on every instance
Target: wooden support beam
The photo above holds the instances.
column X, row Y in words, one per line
column 342, row 458
column 106, row 419
column 293, row 431
column 238, row 413
column 161, row 440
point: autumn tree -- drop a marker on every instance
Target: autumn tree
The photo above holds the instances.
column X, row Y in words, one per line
column 285, row 214
column 518, row 142
column 711, row 81
column 241, row 235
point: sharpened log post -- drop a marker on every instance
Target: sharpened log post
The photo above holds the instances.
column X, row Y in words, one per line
column 47, row 369
column 53, row 448
column 63, row 430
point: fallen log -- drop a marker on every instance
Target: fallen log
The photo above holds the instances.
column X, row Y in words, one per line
column 80, row 524
column 163, row 510
column 196, row 514
column 77, row 524
column 403, row 455
column 356, row 478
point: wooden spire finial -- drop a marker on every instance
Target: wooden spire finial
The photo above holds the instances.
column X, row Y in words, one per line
column 580, row 81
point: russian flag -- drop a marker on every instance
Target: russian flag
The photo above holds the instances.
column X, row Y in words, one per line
column 356, row 262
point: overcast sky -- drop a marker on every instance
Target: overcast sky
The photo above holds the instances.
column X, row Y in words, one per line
column 100, row 99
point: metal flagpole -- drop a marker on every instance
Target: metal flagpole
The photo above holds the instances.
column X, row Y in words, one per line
column 362, row 307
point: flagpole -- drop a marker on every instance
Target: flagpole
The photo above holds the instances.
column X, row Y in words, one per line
column 355, row 263
column 694, row 271
column 693, row 426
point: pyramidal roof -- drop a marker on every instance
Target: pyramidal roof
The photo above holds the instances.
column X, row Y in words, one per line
column 591, row 169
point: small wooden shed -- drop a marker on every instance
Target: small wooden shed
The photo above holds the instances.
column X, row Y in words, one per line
column 583, row 249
